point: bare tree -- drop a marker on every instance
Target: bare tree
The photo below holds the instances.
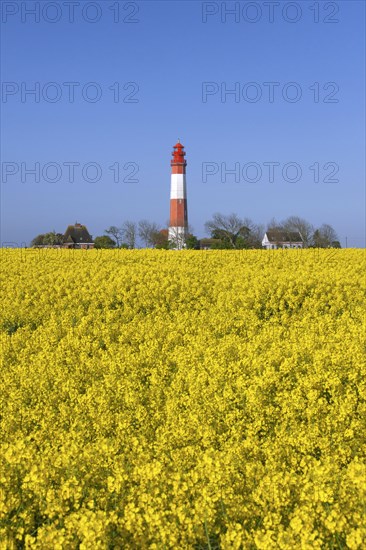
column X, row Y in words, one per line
column 147, row 232
column 117, row 233
column 273, row 224
column 129, row 233
column 295, row 223
column 325, row 236
column 256, row 232
column 329, row 233
column 227, row 228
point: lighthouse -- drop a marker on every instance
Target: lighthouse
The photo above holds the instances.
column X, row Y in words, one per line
column 178, row 224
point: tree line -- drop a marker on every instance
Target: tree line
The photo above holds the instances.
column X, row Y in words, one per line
column 225, row 231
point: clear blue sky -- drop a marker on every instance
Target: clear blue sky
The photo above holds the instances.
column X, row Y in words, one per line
column 169, row 52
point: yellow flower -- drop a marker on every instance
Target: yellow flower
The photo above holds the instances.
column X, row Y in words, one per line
column 186, row 399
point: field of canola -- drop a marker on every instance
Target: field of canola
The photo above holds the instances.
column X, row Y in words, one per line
column 160, row 399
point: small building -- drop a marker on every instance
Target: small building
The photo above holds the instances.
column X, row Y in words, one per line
column 277, row 238
column 77, row 236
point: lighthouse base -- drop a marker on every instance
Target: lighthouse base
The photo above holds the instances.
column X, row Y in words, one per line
column 177, row 237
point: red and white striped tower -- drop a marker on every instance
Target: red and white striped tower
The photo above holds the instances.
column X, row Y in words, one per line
column 178, row 224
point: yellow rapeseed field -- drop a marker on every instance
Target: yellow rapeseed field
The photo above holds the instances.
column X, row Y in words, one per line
column 194, row 399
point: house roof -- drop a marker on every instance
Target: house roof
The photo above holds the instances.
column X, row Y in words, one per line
column 77, row 234
column 279, row 236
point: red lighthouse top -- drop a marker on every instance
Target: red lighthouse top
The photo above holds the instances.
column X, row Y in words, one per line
column 178, row 154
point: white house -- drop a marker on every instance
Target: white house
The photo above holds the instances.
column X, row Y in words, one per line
column 277, row 238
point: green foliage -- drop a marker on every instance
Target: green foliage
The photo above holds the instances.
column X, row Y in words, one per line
column 104, row 241
column 221, row 245
column 192, row 242
column 161, row 240
column 38, row 241
column 48, row 239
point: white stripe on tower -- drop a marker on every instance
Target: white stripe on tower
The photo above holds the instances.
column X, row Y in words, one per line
column 178, row 186
column 178, row 224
